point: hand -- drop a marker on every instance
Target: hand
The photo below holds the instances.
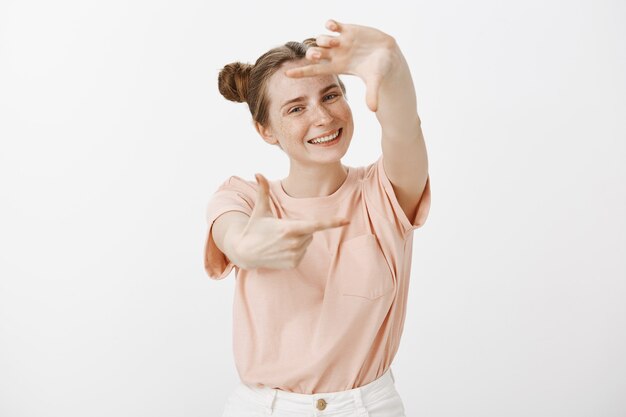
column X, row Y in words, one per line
column 269, row 242
column 358, row 50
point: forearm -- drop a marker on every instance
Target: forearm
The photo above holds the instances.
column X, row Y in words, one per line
column 403, row 147
column 397, row 103
column 231, row 239
column 226, row 229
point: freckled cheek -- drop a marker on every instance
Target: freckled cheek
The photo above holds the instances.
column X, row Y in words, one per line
column 345, row 111
column 294, row 134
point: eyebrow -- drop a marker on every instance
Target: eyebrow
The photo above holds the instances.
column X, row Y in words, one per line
column 322, row 91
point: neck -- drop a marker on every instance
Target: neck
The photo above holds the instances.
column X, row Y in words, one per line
column 305, row 181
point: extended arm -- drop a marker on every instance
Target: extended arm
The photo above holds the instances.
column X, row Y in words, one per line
column 405, row 158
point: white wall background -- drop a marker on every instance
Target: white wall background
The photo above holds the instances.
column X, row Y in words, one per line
column 114, row 136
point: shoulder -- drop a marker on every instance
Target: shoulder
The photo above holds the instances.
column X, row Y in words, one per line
column 237, row 183
column 234, row 193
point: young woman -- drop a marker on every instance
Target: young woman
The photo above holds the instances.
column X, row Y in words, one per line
column 323, row 256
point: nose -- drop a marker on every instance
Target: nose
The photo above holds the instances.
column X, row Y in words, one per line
column 322, row 115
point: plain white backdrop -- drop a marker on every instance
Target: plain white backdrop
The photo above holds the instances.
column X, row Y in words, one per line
column 114, row 136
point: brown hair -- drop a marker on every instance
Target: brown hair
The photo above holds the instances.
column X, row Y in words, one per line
column 241, row 82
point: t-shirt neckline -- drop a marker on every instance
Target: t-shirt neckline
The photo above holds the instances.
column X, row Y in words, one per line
column 311, row 202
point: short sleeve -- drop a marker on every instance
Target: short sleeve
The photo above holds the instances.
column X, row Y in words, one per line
column 235, row 194
column 381, row 196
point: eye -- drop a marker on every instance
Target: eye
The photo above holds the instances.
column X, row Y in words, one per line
column 332, row 95
column 292, row 109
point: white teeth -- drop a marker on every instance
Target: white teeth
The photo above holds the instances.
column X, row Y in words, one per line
column 325, row 138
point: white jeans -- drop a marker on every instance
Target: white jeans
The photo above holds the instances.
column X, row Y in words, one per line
column 379, row 398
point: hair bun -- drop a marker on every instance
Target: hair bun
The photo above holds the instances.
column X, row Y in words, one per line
column 232, row 81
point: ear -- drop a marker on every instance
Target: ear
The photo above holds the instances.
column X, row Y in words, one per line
column 266, row 133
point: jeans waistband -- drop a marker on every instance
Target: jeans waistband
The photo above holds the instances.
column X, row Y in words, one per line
column 329, row 402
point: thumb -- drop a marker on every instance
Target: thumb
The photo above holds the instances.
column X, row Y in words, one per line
column 371, row 92
column 262, row 204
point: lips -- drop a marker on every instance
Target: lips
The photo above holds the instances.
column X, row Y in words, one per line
column 331, row 132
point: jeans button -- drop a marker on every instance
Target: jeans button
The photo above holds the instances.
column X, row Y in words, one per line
column 321, row 404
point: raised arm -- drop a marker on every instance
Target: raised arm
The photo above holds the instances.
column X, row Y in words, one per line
column 375, row 57
column 404, row 152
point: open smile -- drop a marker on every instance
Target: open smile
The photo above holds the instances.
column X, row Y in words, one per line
column 327, row 140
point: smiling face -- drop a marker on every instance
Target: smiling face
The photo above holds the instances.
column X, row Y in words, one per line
column 301, row 109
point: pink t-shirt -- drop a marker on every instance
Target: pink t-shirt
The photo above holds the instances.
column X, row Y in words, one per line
column 335, row 321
